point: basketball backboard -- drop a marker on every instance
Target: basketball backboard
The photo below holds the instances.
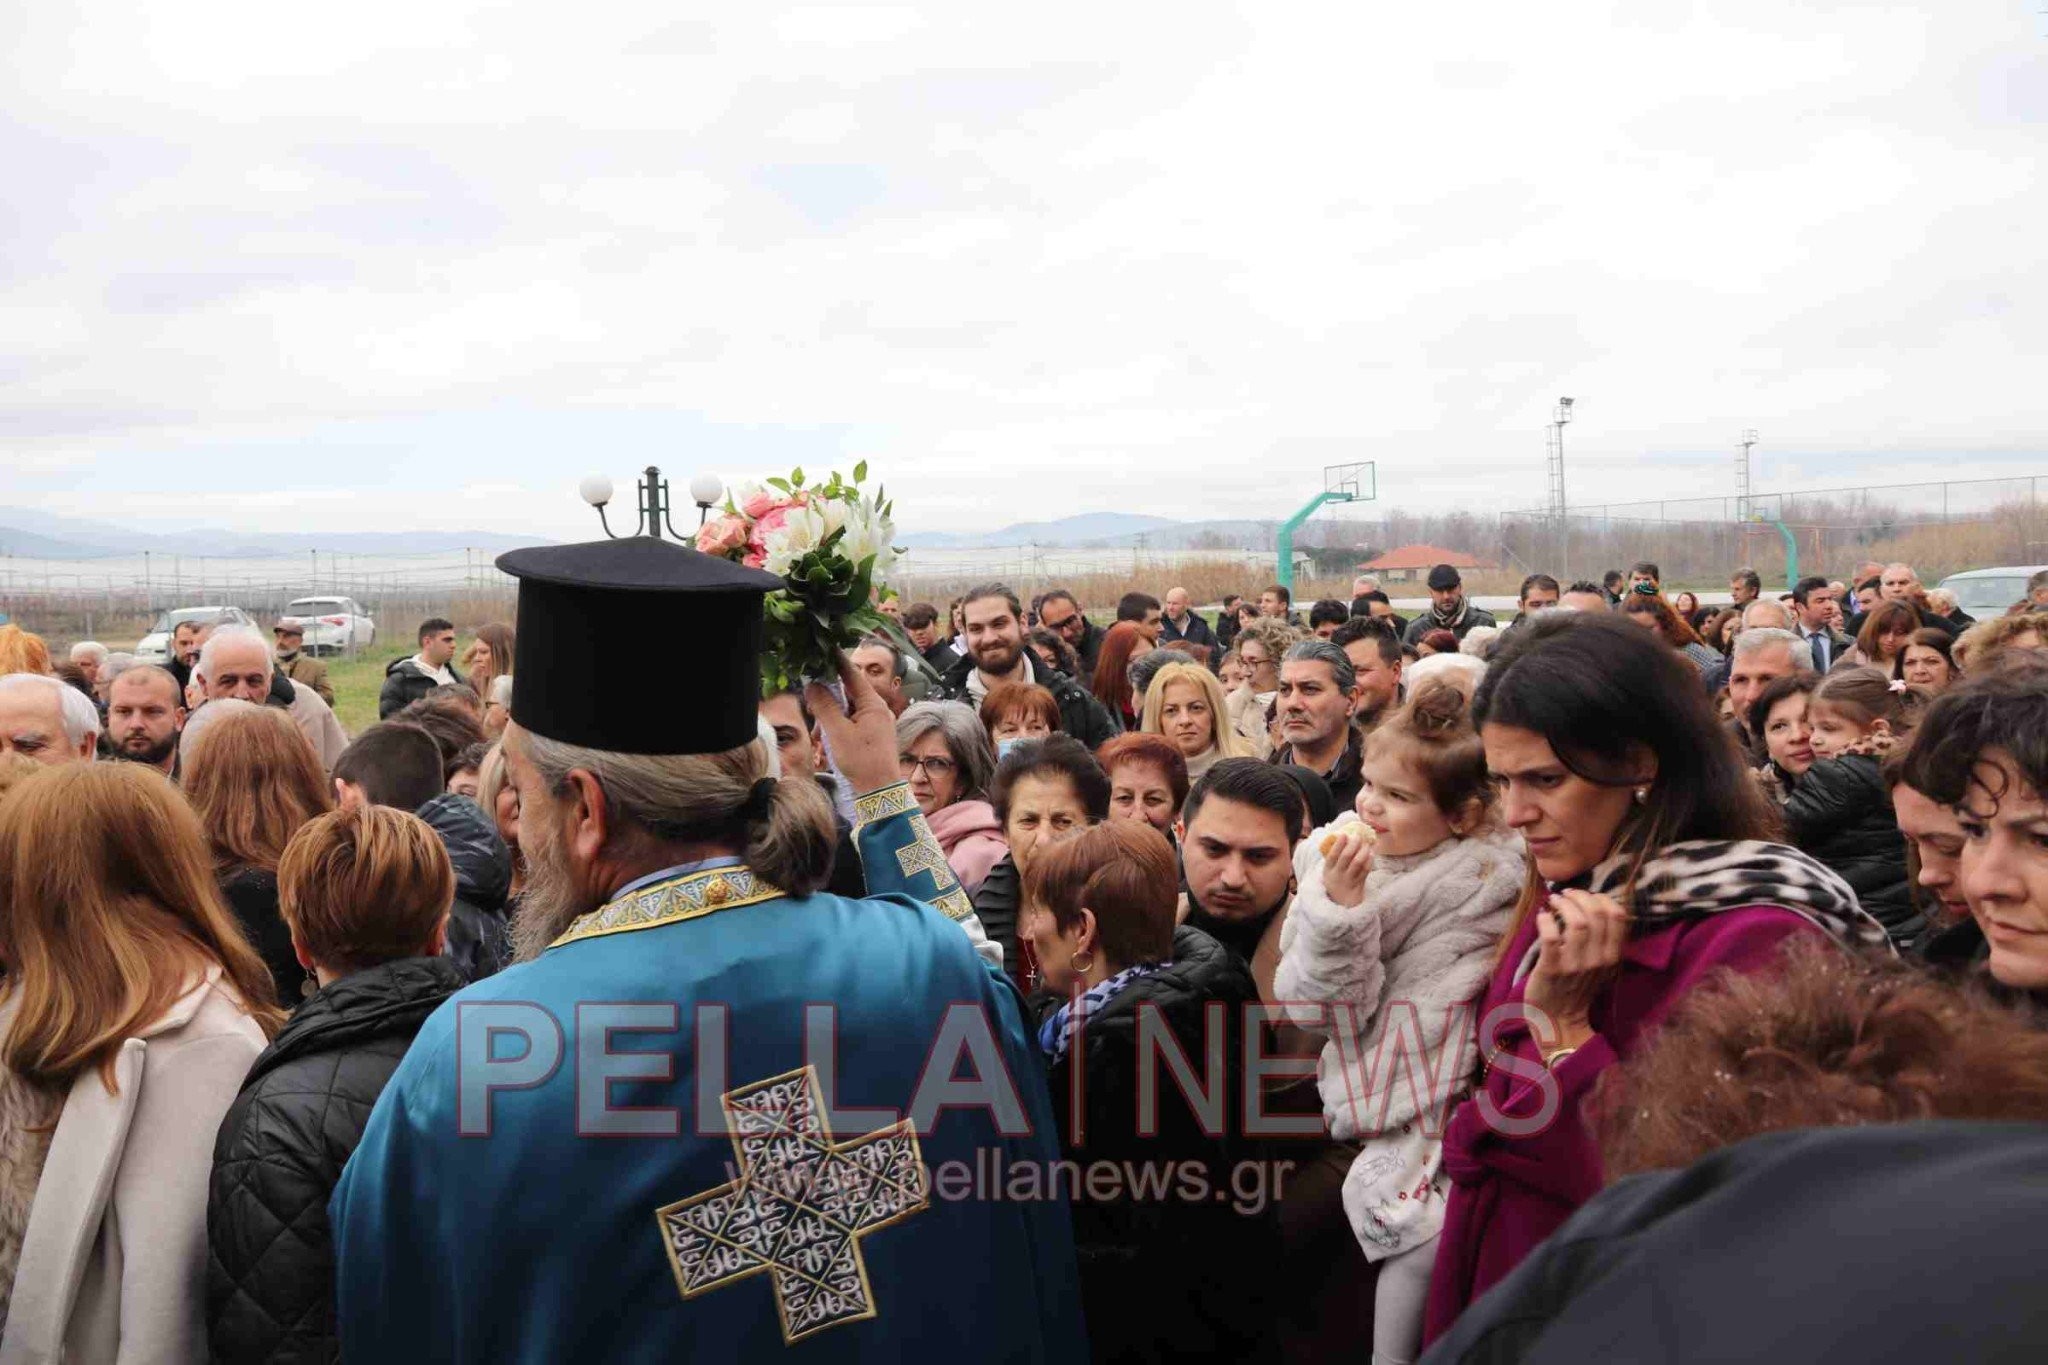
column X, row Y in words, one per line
column 1356, row 482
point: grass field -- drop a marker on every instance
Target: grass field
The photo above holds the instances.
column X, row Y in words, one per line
column 356, row 684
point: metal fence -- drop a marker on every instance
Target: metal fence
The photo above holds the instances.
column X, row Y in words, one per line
column 1939, row 528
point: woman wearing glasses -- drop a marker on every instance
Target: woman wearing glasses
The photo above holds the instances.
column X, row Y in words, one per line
column 1259, row 648
column 948, row 761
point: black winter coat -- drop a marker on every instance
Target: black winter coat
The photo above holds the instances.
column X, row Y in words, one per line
column 404, row 684
column 1841, row 813
column 478, row 941
column 300, row 1116
column 1177, row 1274
column 252, row 894
column 1194, row 630
column 995, row 905
column 1081, row 714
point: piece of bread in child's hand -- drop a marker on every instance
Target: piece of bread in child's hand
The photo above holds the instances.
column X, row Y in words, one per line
column 1363, row 832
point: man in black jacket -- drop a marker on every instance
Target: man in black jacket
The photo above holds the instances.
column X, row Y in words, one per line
column 1059, row 613
column 995, row 640
column 1181, row 622
column 921, row 625
column 409, row 679
column 1449, row 609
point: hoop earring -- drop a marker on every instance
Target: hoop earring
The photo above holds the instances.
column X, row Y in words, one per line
column 1083, row 962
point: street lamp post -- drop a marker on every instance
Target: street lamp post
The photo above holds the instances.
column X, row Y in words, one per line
column 653, row 514
column 1558, row 509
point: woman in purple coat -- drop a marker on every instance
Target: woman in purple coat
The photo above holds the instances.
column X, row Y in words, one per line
column 1651, row 867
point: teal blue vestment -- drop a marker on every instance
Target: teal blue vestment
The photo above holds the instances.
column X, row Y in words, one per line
column 638, row 1146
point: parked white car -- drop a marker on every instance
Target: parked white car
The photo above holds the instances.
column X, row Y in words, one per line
column 155, row 647
column 334, row 625
column 1985, row 593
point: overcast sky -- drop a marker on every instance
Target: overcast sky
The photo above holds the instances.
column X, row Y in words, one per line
column 387, row 265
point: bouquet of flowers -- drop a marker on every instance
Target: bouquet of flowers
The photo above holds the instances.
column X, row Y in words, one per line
column 830, row 544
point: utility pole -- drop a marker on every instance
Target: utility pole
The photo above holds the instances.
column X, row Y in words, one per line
column 1743, row 509
column 1558, row 510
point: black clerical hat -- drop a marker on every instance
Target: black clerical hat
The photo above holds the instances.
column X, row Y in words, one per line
column 637, row 646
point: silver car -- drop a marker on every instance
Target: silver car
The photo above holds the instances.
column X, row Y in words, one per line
column 1985, row 593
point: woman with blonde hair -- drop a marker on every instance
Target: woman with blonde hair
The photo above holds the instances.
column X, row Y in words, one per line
column 131, row 1009
column 488, row 658
column 254, row 779
column 366, row 892
column 1185, row 704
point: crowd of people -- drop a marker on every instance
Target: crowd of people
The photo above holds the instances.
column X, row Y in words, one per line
column 1454, row 970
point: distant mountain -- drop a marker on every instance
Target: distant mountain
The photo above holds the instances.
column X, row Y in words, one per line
column 1087, row 528
column 1099, row 530
column 55, row 537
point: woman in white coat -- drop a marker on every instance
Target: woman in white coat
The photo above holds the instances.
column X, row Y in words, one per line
column 131, row 1009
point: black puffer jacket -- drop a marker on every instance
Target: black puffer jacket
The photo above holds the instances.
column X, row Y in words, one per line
column 252, row 894
column 995, row 905
column 300, row 1116
column 477, row 938
column 404, row 683
column 1081, row 715
column 1841, row 813
column 1182, row 1272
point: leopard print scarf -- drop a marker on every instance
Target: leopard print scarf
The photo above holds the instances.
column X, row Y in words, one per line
column 1707, row 876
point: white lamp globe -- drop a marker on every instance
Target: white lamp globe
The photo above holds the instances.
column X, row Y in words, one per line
column 596, row 490
column 706, row 489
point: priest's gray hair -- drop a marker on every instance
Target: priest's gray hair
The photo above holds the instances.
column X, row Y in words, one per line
column 696, row 798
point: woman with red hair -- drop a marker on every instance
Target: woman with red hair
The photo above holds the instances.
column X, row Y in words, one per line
column 1112, row 685
column 1654, row 613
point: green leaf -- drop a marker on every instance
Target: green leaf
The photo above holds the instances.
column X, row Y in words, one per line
column 860, row 471
column 783, row 484
column 797, row 477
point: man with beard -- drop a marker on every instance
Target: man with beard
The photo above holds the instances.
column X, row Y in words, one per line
column 1448, row 608
column 145, row 715
column 996, row 653
column 186, row 637
column 682, row 982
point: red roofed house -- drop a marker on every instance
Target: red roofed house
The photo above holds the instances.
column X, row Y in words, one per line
column 1411, row 562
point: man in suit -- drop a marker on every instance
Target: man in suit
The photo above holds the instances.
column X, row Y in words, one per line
column 1811, row 602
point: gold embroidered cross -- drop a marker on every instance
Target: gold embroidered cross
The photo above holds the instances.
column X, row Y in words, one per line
column 924, row 856
column 799, row 1208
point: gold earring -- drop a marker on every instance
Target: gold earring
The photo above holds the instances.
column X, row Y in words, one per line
column 1083, row 962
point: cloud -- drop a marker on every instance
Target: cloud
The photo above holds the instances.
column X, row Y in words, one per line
column 1027, row 262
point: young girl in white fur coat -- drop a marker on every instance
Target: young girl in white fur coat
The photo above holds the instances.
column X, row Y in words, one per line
column 1400, row 909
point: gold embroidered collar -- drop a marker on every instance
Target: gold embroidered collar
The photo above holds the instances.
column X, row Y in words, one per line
column 690, row 896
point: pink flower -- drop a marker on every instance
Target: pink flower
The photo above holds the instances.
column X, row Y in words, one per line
column 771, row 521
column 723, row 537
column 758, row 502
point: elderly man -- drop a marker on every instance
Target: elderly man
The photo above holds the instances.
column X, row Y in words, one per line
column 236, row 662
column 46, row 720
column 293, row 661
column 1762, row 656
column 91, row 657
column 1181, row 623
column 1318, row 695
column 725, row 1088
column 145, row 715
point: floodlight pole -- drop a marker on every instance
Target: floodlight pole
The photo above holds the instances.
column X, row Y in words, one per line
column 1285, row 544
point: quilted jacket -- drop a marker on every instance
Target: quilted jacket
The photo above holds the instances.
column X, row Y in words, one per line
column 1841, row 812
column 477, row 928
column 301, row 1112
